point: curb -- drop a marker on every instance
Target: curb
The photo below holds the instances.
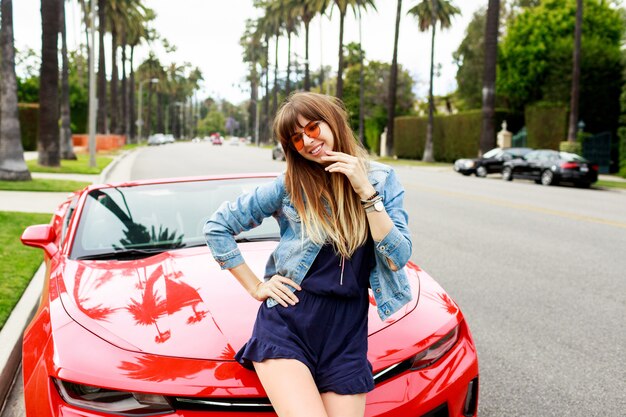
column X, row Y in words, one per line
column 104, row 175
column 11, row 333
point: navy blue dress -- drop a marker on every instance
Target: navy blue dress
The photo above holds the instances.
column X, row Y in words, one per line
column 327, row 329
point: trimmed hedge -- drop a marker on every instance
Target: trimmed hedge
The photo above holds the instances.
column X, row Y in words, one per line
column 454, row 136
column 29, row 124
column 546, row 124
column 621, row 133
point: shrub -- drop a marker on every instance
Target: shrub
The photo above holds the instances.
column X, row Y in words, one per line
column 454, row 136
column 621, row 132
column 546, row 124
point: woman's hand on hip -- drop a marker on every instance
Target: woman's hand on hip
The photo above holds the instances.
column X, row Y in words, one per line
column 276, row 288
column 351, row 167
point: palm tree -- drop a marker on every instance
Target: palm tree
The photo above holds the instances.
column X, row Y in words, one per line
column 252, row 50
column 428, row 13
column 308, row 10
column 575, row 94
column 48, row 146
column 65, row 134
column 393, row 85
column 102, row 124
column 136, row 31
column 12, row 165
column 488, row 135
column 342, row 6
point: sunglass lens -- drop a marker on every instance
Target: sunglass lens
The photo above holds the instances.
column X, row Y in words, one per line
column 312, row 130
column 298, row 142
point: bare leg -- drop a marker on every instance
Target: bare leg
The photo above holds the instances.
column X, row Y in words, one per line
column 344, row 405
column 290, row 387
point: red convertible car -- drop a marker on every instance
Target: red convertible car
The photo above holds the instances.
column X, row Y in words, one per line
column 137, row 319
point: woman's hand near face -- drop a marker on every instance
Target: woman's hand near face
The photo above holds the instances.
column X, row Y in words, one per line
column 276, row 288
column 351, row 167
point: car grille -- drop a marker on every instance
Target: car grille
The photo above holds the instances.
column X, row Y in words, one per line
column 252, row 405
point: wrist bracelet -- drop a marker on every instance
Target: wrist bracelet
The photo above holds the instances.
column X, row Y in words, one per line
column 370, row 203
column 370, row 199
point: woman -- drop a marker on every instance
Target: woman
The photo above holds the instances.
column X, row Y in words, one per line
column 343, row 229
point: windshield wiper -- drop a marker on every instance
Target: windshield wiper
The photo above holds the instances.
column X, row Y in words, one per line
column 127, row 254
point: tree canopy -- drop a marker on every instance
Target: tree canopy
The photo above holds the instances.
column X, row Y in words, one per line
column 535, row 63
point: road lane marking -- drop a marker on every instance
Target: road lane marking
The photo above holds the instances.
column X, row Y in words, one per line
column 526, row 207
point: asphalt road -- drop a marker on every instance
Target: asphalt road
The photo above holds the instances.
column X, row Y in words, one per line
column 539, row 273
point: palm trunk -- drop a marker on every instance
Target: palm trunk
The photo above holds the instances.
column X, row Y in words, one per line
column 307, row 76
column 102, row 125
column 131, row 98
column 393, row 86
column 361, row 87
column 488, row 136
column 115, row 107
column 575, row 94
column 149, row 111
column 339, row 92
column 125, row 118
column 265, row 127
column 288, row 81
column 48, row 144
column 275, row 98
column 160, row 124
column 428, row 148
column 12, row 165
column 67, row 147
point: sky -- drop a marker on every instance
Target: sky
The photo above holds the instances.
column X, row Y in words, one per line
column 207, row 32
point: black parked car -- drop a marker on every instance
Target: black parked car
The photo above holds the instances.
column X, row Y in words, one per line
column 550, row 167
column 490, row 162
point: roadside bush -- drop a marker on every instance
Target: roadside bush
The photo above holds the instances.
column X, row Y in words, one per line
column 621, row 132
column 454, row 136
column 546, row 124
column 29, row 124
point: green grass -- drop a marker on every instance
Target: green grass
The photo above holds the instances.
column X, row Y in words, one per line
column 80, row 166
column 41, row 184
column 411, row 162
column 18, row 263
column 610, row 184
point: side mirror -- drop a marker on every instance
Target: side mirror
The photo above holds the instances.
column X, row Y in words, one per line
column 40, row 236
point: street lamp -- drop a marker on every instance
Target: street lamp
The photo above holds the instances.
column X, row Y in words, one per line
column 139, row 122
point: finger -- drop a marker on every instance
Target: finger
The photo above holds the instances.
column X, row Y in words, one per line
column 289, row 296
column 278, row 298
column 288, row 281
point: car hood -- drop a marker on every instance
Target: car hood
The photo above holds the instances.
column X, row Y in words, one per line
column 177, row 303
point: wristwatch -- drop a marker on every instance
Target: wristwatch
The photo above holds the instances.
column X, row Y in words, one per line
column 377, row 206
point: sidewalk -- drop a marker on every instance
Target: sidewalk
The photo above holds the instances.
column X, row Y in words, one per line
column 11, row 397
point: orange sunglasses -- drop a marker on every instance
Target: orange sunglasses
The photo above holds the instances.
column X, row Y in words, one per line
column 312, row 130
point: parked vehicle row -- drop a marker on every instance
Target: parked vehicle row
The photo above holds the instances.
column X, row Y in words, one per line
column 160, row 139
column 544, row 166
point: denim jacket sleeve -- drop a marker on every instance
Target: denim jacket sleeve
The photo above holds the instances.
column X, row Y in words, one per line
column 397, row 245
column 245, row 213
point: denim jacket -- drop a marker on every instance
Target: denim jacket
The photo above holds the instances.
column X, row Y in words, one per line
column 295, row 252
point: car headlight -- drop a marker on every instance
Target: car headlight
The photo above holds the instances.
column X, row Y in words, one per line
column 436, row 350
column 111, row 401
column 469, row 163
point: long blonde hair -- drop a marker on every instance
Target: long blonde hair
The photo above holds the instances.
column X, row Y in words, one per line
column 329, row 207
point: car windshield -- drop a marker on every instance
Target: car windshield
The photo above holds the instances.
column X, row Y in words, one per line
column 141, row 220
column 571, row 157
column 492, row 153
